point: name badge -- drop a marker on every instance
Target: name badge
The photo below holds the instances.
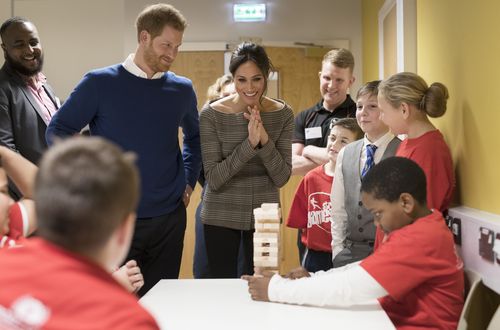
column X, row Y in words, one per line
column 313, row 133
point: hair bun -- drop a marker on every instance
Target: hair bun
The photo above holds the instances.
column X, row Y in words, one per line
column 434, row 100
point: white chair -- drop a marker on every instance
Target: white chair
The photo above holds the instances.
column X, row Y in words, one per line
column 495, row 321
column 471, row 283
column 481, row 307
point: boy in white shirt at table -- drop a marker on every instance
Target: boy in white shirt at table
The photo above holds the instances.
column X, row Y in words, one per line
column 415, row 273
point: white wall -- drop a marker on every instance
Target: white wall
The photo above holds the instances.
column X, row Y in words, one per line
column 288, row 20
column 76, row 36
column 81, row 35
column 5, row 12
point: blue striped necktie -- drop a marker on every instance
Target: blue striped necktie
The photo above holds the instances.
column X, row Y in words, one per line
column 370, row 160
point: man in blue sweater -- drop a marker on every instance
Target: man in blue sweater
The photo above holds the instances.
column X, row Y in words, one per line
column 140, row 105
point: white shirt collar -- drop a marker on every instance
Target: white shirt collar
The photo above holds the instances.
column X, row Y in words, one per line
column 131, row 67
column 383, row 140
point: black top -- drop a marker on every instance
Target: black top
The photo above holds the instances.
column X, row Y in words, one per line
column 318, row 116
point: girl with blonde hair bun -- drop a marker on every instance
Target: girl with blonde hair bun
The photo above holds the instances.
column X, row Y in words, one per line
column 406, row 103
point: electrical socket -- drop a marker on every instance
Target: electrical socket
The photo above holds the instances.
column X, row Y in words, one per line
column 496, row 248
column 455, row 226
column 486, row 243
column 449, row 221
column 456, row 229
column 471, row 251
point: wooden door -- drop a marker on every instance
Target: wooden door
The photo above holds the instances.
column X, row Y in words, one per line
column 299, row 87
column 203, row 68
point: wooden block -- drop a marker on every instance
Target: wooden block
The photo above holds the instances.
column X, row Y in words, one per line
column 266, row 214
column 269, row 239
column 267, row 227
column 257, row 245
column 273, row 249
column 270, row 206
column 265, row 262
column 266, row 248
column 266, row 258
column 267, row 220
column 271, row 254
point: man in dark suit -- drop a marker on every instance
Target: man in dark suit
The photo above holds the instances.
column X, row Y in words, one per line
column 27, row 102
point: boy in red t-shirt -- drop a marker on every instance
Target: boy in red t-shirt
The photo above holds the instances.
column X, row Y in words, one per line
column 86, row 194
column 311, row 206
column 419, row 288
column 18, row 219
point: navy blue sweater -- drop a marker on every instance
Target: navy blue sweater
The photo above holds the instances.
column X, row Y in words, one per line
column 143, row 116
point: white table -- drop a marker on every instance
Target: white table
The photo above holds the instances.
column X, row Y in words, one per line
column 226, row 304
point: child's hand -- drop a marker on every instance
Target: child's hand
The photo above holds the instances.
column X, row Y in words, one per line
column 297, row 273
column 129, row 276
column 258, row 285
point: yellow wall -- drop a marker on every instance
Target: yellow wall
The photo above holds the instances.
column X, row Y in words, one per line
column 458, row 45
column 370, row 39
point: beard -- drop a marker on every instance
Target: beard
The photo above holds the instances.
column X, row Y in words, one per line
column 153, row 62
column 21, row 68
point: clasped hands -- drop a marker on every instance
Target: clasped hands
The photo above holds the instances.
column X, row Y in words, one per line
column 256, row 131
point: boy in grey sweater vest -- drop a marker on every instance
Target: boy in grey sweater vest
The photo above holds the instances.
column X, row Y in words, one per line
column 353, row 230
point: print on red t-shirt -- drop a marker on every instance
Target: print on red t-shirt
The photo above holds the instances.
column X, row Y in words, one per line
column 311, row 209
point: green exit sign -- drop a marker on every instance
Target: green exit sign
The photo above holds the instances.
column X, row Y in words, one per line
column 249, row 12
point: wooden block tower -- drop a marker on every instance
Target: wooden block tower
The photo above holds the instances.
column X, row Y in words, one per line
column 266, row 238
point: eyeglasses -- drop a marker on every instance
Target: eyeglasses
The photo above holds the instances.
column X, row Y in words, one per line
column 333, row 122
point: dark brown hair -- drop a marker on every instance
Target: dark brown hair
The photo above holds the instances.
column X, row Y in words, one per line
column 350, row 124
column 248, row 51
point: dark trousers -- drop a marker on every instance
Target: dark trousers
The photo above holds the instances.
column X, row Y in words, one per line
column 317, row 260
column 223, row 245
column 200, row 259
column 157, row 246
column 301, row 247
